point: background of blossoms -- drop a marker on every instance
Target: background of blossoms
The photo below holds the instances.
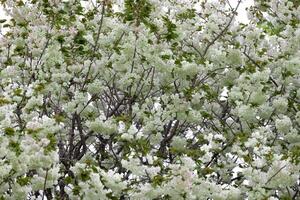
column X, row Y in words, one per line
column 147, row 99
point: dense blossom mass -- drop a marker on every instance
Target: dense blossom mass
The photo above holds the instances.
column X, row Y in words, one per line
column 149, row 100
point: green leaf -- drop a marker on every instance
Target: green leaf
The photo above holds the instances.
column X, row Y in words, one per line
column 9, row 131
column 188, row 14
column 15, row 146
column 76, row 190
column 52, row 144
column 60, row 39
column 157, row 180
column 84, row 175
column 3, row 101
column 295, row 154
column 59, row 118
column 18, row 92
column 137, row 10
column 171, row 28
column 24, row 180
column 207, row 171
column 68, row 180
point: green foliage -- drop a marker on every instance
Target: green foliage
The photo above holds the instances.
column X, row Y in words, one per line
column 52, row 144
column 15, row 147
column 137, row 10
column 9, row 131
column 24, row 180
column 295, row 154
column 84, row 175
column 188, row 14
column 171, row 29
column 157, row 180
column 3, row 101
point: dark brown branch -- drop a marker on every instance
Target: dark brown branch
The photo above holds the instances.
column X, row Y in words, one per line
column 45, row 182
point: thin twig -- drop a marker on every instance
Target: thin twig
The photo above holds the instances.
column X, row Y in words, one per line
column 275, row 174
column 223, row 31
column 45, row 184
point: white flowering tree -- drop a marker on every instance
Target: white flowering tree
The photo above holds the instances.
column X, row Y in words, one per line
column 149, row 99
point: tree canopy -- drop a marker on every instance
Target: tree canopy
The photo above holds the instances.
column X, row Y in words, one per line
column 149, row 99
